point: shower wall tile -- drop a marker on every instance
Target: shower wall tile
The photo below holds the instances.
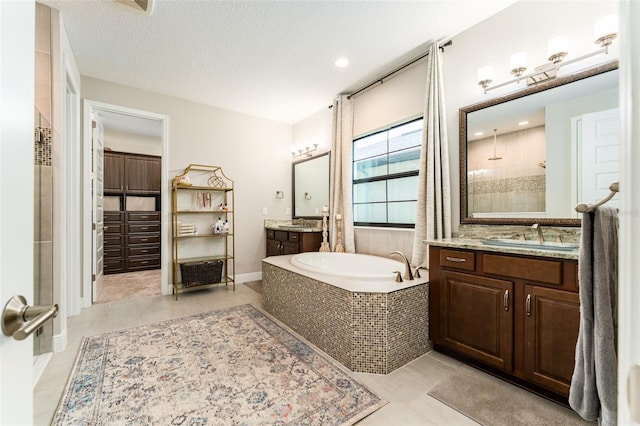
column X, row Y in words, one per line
column 43, row 28
column 43, row 85
column 43, row 276
column 43, row 203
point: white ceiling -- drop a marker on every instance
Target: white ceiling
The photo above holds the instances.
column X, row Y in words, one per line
column 271, row 59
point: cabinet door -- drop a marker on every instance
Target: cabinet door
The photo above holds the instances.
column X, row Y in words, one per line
column 273, row 248
column 552, row 320
column 113, row 172
column 476, row 317
column 142, row 174
column 290, row 248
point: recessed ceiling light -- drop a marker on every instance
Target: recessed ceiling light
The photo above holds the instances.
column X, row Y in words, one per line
column 478, row 134
column 523, row 123
column 341, row 62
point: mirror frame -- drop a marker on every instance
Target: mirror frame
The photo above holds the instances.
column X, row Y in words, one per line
column 464, row 219
column 293, row 184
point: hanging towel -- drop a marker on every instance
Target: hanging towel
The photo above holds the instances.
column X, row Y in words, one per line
column 593, row 393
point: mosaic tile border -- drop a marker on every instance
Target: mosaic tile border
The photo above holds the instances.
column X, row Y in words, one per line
column 365, row 332
column 517, row 184
column 42, row 137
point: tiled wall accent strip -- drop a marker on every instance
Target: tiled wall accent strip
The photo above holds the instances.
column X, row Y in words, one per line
column 42, row 146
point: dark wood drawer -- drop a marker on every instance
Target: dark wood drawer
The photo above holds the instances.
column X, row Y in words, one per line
column 143, row 216
column 281, row 235
column 458, row 259
column 112, row 217
column 143, row 263
column 113, row 240
column 143, row 250
column 112, row 266
column 143, row 239
column 136, row 228
column 294, row 236
column 113, row 252
column 271, row 234
column 112, row 228
column 540, row 270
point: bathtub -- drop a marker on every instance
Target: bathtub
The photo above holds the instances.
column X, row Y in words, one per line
column 350, row 306
column 348, row 265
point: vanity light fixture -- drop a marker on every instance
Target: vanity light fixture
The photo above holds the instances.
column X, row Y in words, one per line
column 306, row 150
column 605, row 31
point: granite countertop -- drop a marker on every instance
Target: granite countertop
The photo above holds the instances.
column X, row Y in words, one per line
column 297, row 225
column 477, row 244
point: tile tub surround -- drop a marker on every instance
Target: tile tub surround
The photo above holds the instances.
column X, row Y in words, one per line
column 366, row 332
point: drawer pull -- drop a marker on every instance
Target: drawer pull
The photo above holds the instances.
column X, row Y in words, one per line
column 144, row 239
column 506, row 300
column 456, row 259
column 528, row 305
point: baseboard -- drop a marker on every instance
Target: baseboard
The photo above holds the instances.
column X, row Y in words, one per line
column 39, row 364
column 60, row 341
column 251, row 276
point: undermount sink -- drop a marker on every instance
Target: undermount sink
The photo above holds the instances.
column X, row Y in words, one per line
column 547, row 245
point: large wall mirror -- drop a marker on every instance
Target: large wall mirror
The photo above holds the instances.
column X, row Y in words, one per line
column 532, row 155
column 310, row 182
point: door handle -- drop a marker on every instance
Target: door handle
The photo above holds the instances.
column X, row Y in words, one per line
column 528, row 305
column 19, row 320
column 506, row 300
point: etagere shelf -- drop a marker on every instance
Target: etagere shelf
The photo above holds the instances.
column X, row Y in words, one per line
column 203, row 229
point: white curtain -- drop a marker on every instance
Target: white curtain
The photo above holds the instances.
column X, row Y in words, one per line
column 341, row 177
column 433, row 216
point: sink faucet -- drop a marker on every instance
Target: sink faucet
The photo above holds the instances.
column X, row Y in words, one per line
column 408, row 275
column 539, row 229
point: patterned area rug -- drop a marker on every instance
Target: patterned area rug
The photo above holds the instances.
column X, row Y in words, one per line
column 232, row 366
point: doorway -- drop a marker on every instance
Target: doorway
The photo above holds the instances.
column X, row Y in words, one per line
column 129, row 135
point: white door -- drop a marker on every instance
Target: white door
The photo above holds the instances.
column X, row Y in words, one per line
column 599, row 154
column 17, row 36
column 97, row 190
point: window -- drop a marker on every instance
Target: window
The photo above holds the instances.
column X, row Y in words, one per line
column 385, row 176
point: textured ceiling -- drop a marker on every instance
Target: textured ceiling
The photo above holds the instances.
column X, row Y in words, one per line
column 272, row 59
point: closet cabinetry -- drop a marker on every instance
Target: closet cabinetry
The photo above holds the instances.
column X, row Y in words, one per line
column 131, row 173
column 132, row 212
column 203, row 229
column 518, row 315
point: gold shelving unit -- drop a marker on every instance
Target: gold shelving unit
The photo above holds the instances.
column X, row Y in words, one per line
column 200, row 196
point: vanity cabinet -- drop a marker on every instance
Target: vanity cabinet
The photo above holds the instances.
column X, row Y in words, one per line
column 516, row 315
column 289, row 242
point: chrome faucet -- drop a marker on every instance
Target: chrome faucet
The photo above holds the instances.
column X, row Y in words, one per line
column 539, row 229
column 408, row 275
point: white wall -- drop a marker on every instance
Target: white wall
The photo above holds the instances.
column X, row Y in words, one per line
column 252, row 151
column 129, row 142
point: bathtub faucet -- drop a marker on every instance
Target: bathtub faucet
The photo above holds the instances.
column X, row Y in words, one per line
column 408, row 275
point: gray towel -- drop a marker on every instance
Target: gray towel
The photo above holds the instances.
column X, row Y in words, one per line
column 594, row 386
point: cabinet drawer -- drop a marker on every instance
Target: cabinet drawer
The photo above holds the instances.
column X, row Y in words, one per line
column 281, row 235
column 143, row 216
column 136, row 228
column 112, row 252
column 113, row 240
column 113, row 265
column 540, row 270
column 112, row 217
column 271, row 234
column 144, row 263
column 457, row 259
column 143, row 250
column 294, row 236
column 143, row 239
column 112, row 228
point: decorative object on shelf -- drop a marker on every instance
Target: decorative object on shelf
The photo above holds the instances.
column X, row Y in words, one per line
column 203, row 229
column 307, row 196
column 324, row 246
column 182, row 180
column 339, row 246
column 605, row 31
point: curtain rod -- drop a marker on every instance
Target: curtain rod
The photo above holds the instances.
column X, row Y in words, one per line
column 400, row 68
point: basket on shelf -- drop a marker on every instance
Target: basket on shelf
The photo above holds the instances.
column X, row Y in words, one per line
column 204, row 272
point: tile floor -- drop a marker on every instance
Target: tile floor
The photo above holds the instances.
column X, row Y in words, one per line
column 405, row 389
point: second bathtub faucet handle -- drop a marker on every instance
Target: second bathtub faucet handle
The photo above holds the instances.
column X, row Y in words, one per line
column 408, row 275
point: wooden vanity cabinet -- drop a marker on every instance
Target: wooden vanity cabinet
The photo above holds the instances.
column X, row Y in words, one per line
column 514, row 314
column 289, row 242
